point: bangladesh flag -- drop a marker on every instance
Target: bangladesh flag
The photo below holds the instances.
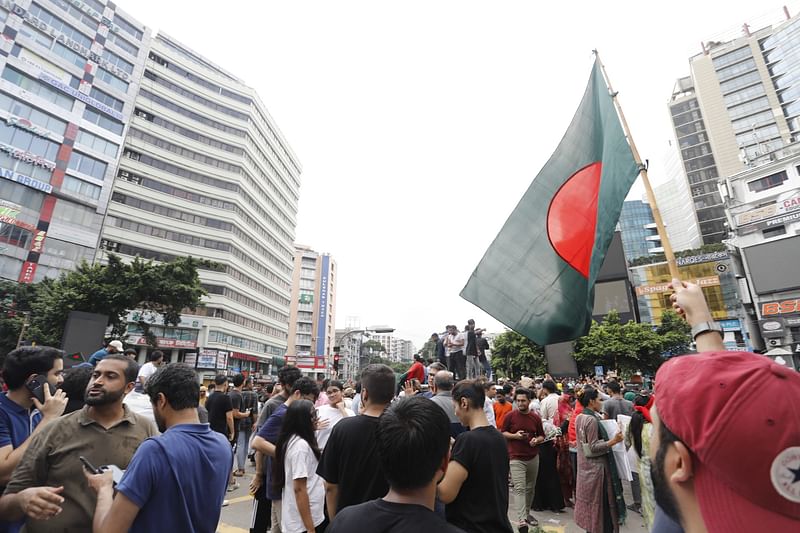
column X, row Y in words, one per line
column 538, row 275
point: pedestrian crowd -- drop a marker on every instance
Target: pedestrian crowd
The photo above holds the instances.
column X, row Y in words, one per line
column 704, row 446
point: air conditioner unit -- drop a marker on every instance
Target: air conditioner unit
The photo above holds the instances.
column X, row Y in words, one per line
column 774, row 342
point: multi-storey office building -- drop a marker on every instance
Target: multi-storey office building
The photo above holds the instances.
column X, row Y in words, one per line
column 312, row 313
column 673, row 197
column 69, row 76
column 638, row 228
column 205, row 172
column 741, row 104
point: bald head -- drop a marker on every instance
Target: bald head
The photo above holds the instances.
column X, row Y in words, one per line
column 444, row 380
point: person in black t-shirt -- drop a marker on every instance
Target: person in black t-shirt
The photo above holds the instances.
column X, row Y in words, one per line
column 413, row 439
column 349, row 464
column 475, row 487
column 220, row 415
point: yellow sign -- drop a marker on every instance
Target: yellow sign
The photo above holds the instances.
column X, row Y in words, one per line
column 708, row 281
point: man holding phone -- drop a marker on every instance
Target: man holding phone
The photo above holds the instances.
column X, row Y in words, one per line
column 31, row 373
column 48, row 485
column 176, row 481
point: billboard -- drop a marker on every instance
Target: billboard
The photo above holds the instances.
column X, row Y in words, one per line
column 773, row 265
column 322, row 314
column 614, row 265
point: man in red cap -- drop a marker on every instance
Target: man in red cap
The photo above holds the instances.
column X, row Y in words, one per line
column 725, row 465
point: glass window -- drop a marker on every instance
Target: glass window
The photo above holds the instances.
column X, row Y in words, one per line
column 111, row 80
column 114, row 59
column 80, row 187
column 87, row 165
column 34, row 86
column 34, row 34
column 128, row 27
column 70, row 55
column 743, row 95
column 21, row 195
column 734, row 70
column 105, row 122
column 107, row 99
column 97, row 143
column 71, row 213
column 77, row 13
column 60, row 25
column 123, row 44
column 768, row 182
column 731, row 57
column 14, row 235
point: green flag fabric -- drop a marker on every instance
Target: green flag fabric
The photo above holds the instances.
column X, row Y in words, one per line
column 538, row 275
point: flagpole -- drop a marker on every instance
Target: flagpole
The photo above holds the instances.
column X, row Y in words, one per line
column 651, row 197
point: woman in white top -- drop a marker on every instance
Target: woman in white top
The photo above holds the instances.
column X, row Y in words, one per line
column 295, row 471
column 334, row 411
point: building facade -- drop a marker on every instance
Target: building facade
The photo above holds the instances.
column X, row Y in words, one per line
column 673, row 197
column 395, row 349
column 206, row 173
column 763, row 205
column 740, row 105
column 714, row 273
column 639, row 232
column 312, row 313
column 70, row 74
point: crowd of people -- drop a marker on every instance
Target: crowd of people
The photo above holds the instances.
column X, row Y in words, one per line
column 705, row 449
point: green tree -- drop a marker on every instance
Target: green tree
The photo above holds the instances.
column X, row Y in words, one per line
column 399, row 368
column 514, row 355
column 627, row 347
column 113, row 290
column 15, row 301
column 675, row 333
column 376, row 347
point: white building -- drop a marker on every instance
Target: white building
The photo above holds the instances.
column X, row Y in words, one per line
column 673, row 197
column 207, row 173
column 396, row 350
column 763, row 208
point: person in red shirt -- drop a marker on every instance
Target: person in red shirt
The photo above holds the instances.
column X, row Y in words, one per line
column 417, row 370
column 524, row 432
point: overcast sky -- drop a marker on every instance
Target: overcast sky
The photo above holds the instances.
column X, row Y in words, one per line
column 420, row 124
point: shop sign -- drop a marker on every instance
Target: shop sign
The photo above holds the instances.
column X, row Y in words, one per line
column 190, row 358
column 152, row 317
column 708, row 281
column 27, row 157
column 322, row 320
column 783, row 307
column 27, row 272
column 20, row 224
column 9, row 209
column 306, row 298
column 22, row 179
column 207, row 359
column 27, row 125
column 63, row 87
column 786, row 205
column 222, row 359
column 772, row 328
column 162, row 342
column 702, row 258
column 730, row 324
column 38, row 241
column 244, row 356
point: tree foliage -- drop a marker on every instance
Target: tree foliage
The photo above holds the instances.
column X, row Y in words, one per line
column 399, row 368
column 112, row 289
column 514, row 355
column 631, row 347
column 375, row 346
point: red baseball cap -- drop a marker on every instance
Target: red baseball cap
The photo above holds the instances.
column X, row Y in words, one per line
column 739, row 414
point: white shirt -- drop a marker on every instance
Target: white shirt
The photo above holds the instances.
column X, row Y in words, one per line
column 332, row 414
column 549, row 406
column 147, row 370
column 301, row 463
column 458, row 337
column 488, row 409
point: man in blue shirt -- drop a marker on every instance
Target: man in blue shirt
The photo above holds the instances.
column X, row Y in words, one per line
column 22, row 415
column 99, row 355
column 176, row 481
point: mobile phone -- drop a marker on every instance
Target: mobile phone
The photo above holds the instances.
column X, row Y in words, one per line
column 89, row 466
column 36, row 385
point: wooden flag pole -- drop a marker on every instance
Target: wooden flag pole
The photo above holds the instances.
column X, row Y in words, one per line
column 651, row 197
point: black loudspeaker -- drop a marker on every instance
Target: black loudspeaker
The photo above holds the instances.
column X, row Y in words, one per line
column 560, row 362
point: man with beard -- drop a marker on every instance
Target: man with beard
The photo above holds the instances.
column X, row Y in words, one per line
column 176, row 481
column 48, row 485
column 732, row 461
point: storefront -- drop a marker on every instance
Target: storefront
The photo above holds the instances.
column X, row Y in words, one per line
column 177, row 342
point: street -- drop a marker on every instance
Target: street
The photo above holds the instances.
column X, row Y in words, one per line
column 236, row 516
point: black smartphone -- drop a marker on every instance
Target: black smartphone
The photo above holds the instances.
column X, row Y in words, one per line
column 36, row 385
column 89, row 466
